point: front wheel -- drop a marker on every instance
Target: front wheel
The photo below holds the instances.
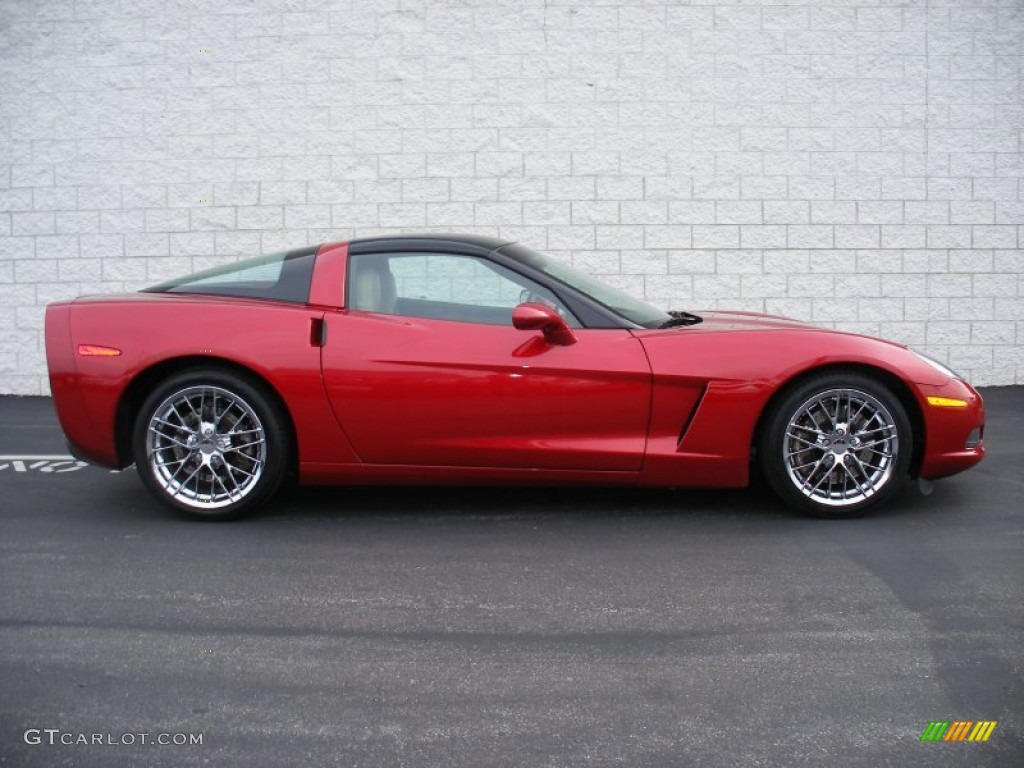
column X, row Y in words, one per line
column 836, row 445
column 211, row 444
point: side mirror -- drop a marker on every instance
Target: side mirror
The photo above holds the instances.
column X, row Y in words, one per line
column 534, row 316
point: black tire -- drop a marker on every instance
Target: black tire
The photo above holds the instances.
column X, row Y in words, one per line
column 836, row 444
column 211, row 444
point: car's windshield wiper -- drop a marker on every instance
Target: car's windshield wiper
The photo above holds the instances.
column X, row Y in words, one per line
column 680, row 319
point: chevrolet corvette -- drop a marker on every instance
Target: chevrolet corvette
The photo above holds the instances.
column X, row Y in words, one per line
column 452, row 359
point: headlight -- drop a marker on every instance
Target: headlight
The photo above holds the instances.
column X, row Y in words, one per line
column 942, row 368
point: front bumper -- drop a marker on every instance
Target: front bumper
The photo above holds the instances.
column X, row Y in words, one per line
column 954, row 434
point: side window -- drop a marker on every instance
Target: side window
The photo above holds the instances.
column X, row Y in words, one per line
column 442, row 286
column 284, row 276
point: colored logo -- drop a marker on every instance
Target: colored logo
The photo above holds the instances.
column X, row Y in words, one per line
column 959, row 730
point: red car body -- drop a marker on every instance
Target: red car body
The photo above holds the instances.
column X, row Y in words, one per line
column 393, row 399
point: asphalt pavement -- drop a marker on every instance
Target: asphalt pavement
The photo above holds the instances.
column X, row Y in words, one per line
column 482, row 627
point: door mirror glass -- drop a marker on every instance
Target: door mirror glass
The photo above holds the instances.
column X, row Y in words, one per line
column 534, row 316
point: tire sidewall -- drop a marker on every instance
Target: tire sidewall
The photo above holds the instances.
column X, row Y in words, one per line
column 770, row 447
column 266, row 409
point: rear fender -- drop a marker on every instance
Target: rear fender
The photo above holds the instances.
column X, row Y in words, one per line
column 167, row 332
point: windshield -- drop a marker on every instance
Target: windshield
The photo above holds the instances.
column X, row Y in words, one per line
column 619, row 302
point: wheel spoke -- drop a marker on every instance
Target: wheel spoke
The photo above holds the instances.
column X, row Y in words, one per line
column 180, row 417
column 171, row 462
column 810, row 413
column 812, row 430
column 167, row 437
column 859, row 412
column 170, row 425
column 235, row 448
column 817, row 465
column 232, row 468
column 233, row 480
column 810, row 463
column 801, row 440
column 867, row 489
column 810, row 491
column 242, row 431
column 870, row 446
column 873, row 443
column 188, row 402
column 183, row 485
column 230, row 493
column 225, row 412
column 883, row 428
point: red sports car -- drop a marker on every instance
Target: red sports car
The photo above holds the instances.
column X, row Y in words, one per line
column 463, row 359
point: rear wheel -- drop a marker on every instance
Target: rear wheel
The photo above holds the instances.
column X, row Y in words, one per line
column 837, row 445
column 211, row 444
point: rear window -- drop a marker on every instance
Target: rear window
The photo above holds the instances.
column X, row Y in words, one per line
column 283, row 276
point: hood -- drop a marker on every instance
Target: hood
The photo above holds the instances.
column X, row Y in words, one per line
column 747, row 321
column 715, row 321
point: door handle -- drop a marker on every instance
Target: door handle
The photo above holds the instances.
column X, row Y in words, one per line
column 318, row 332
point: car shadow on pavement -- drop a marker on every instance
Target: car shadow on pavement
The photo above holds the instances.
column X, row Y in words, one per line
column 754, row 503
column 95, row 494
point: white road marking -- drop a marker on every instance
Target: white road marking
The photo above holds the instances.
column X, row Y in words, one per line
column 23, row 457
column 57, row 463
column 50, row 463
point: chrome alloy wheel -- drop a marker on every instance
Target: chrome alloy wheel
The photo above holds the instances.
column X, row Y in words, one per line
column 206, row 447
column 840, row 447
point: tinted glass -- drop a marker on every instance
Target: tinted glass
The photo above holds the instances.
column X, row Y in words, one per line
column 284, row 276
column 619, row 302
column 442, row 286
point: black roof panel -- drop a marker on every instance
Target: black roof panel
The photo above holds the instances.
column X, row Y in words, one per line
column 479, row 241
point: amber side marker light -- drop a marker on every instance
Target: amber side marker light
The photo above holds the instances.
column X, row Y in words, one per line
column 95, row 350
column 947, row 402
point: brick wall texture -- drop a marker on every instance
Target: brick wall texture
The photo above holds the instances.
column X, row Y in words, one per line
column 855, row 163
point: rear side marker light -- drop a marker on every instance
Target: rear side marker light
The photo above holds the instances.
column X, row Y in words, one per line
column 95, row 350
column 947, row 402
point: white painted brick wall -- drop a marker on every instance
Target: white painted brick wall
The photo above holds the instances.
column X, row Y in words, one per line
column 856, row 163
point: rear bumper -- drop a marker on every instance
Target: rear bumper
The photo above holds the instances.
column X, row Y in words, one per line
column 83, row 453
column 954, row 436
column 88, row 436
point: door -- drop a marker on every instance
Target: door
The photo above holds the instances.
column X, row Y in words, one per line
column 425, row 368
